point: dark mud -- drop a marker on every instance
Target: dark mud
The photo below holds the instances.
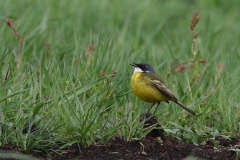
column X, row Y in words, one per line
column 149, row 148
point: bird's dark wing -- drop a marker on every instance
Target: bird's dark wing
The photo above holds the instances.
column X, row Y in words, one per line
column 159, row 83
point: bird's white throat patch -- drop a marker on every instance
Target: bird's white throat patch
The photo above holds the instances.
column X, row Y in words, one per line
column 137, row 70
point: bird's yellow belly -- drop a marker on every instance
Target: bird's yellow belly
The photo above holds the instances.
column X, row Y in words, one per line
column 143, row 89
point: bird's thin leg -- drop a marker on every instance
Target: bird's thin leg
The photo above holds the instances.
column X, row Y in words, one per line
column 156, row 108
column 150, row 108
column 147, row 111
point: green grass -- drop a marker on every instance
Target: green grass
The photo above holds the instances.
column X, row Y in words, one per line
column 61, row 92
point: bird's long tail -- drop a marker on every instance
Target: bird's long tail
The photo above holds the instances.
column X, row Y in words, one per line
column 184, row 107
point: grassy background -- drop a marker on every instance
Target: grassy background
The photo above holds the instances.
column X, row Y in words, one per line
column 58, row 96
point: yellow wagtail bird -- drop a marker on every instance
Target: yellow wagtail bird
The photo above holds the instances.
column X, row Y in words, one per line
column 151, row 88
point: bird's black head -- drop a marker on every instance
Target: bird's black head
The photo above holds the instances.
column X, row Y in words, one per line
column 143, row 67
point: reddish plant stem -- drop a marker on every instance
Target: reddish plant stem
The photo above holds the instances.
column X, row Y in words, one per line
column 194, row 47
column 6, row 77
column 107, row 92
column 19, row 52
column 11, row 25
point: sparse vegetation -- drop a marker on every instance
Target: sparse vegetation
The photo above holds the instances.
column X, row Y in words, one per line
column 65, row 77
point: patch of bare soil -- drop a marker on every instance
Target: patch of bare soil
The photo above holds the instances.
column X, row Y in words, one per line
column 149, row 148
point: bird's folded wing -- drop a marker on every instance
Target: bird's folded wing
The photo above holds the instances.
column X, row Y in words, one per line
column 163, row 88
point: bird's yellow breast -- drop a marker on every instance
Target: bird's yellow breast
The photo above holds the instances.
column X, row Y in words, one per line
column 144, row 90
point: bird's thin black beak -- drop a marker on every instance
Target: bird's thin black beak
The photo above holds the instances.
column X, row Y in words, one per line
column 133, row 64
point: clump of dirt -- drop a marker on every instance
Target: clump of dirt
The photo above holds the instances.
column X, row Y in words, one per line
column 151, row 147
column 151, row 120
